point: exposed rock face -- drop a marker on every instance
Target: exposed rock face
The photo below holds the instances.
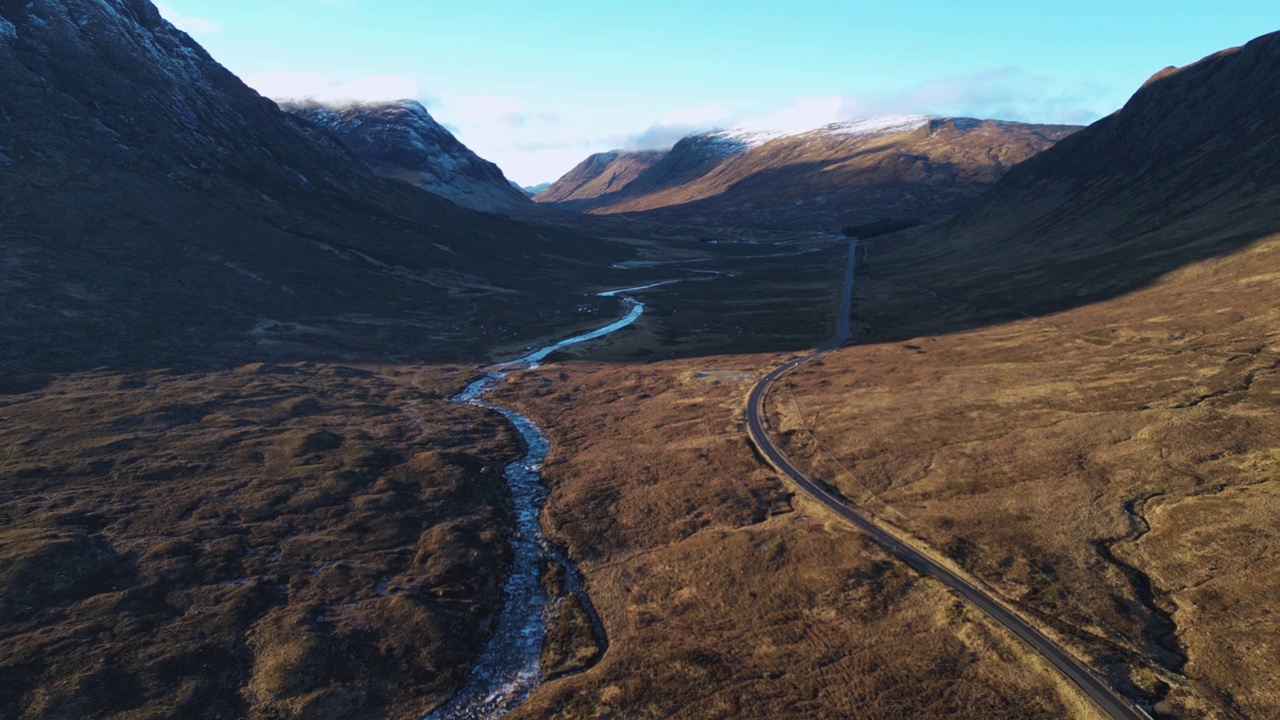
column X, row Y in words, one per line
column 914, row 166
column 113, row 82
column 401, row 140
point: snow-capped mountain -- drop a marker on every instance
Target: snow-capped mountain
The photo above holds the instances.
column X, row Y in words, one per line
column 839, row 174
column 401, row 140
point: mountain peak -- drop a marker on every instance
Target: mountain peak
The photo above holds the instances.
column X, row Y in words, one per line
column 399, row 139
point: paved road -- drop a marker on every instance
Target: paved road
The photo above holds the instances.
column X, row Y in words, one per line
column 1110, row 701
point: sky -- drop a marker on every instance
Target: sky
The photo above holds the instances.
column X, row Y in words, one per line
column 538, row 86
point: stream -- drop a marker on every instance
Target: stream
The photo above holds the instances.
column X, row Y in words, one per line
column 508, row 668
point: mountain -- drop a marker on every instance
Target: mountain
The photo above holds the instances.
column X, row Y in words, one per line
column 530, row 190
column 841, row 174
column 401, row 140
column 221, row 347
column 1084, row 372
column 1186, row 170
column 600, row 174
column 156, row 209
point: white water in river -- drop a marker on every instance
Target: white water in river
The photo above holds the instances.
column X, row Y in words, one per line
column 508, row 668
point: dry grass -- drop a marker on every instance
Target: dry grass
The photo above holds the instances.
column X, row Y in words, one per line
column 721, row 598
column 1038, row 453
column 270, row 541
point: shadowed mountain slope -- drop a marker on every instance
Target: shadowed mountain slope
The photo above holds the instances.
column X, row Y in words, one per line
column 155, row 209
column 1071, row 388
column 199, row 520
column 401, row 140
column 1188, row 169
column 598, row 175
column 841, row 174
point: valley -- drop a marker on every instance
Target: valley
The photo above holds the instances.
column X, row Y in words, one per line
column 307, row 410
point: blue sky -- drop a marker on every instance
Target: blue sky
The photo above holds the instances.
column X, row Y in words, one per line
column 537, row 86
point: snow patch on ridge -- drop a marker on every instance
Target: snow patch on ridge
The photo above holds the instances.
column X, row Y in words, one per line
column 739, row 140
column 745, row 136
column 868, row 127
column 400, row 137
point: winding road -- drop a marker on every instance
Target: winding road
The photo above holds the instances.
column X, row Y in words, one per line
column 1108, row 699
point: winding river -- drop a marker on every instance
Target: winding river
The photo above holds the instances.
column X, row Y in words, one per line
column 508, row 668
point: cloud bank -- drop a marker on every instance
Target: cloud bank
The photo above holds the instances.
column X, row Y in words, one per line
column 1003, row 94
column 534, row 142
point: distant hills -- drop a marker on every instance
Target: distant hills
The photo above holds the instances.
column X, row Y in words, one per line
column 846, row 173
column 530, row 190
column 401, row 140
column 600, row 175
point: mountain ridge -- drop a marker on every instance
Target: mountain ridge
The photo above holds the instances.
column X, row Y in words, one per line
column 401, row 140
column 835, row 175
column 157, row 207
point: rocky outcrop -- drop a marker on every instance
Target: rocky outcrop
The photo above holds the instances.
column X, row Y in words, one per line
column 401, row 140
column 155, row 209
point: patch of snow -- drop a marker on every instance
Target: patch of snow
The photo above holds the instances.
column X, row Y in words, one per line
column 734, row 141
column 7, row 30
column 870, row 127
column 746, row 136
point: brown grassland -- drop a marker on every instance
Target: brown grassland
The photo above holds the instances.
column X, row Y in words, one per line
column 301, row 540
column 722, row 594
column 1111, row 468
column 725, row 596
column 316, row 540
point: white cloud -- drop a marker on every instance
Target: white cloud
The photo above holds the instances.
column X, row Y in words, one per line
column 486, row 111
column 806, row 113
column 188, row 23
column 282, row 85
column 1004, row 94
column 703, row 115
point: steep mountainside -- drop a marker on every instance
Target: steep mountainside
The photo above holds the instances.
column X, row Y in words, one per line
column 155, row 207
column 401, row 140
column 600, row 174
column 1184, row 171
column 231, row 487
column 1083, row 371
column 842, row 174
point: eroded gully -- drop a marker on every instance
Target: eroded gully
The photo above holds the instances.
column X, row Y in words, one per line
column 508, row 668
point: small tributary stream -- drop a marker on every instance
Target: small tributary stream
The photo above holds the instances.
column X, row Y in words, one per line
column 508, row 668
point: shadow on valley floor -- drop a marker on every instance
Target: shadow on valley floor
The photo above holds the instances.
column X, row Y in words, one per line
column 907, row 286
column 931, row 284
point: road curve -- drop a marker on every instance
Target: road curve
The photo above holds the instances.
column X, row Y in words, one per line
column 1107, row 699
